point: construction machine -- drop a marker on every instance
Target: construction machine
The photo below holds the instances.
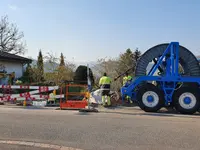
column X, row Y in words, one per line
column 163, row 84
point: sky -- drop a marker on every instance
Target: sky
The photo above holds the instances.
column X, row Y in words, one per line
column 87, row 30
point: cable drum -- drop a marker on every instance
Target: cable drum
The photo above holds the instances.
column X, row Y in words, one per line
column 187, row 60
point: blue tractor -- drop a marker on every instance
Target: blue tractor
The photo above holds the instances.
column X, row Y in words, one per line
column 173, row 80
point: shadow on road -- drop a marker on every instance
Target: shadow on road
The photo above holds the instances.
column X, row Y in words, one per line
column 162, row 114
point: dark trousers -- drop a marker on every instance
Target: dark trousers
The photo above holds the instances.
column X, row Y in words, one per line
column 106, row 92
column 107, row 89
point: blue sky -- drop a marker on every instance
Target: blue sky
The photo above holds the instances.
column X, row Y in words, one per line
column 90, row 29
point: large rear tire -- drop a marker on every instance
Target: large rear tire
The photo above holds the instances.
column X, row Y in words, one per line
column 186, row 100
column 150, row 98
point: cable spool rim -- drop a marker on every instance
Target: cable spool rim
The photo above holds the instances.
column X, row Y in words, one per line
column 183, row 102
column 149, row 103
column 188, row 60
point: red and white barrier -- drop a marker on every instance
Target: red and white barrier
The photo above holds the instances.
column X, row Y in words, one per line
column 35, row 94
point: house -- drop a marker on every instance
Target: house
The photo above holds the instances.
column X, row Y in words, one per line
column 10, row 63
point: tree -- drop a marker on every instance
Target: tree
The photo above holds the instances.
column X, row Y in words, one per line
column 117, row 66
column 137, row 55
column 110, row 66
column 40, row 66
column 27, row 75
column 10, row 38
column 51, row 62
column 62, row 61
column 126, row 61
column 58, row 73
column 80, row 76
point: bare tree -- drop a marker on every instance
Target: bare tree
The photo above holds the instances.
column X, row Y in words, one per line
column 52, row 61
column 57, row 73
column 10, row 38
column 110, row 66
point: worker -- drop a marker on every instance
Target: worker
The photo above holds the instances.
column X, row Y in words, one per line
column 126, row 80
column 52, row 98
column 104, row 83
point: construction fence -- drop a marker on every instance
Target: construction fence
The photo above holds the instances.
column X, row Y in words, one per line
column 68, row 95
column 43, row 94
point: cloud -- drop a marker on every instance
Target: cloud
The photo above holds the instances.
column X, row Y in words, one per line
column 12, row 7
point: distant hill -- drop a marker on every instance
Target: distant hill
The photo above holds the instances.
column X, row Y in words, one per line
column 90, row 63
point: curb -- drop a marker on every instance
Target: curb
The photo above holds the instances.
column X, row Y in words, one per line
column 39, row 145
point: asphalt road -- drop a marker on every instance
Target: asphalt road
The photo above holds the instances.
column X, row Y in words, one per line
column 19, row 147
column 108, row 130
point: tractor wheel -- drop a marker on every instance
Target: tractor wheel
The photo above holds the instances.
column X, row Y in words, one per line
column 186, row 100
column 150, row 98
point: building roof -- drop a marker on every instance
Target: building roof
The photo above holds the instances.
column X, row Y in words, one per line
column 8, row 56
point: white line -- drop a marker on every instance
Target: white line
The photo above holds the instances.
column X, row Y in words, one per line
column 37, row 97
column 25, row 87
column 41, row 145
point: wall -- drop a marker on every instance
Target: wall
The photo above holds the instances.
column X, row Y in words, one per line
column 12, row 67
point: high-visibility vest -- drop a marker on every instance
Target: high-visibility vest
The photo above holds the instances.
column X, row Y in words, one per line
column 51, row 97
column 126, row 79
column 129, row 78
column 104, row 80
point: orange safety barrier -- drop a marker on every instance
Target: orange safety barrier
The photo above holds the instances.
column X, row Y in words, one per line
column 76, row 96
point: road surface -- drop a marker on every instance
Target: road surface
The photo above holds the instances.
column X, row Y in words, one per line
column 120, row 129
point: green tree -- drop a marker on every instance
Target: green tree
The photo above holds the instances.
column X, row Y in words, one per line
column 27, row 75
column 137, row 54
column 62, row 61
column 126, row 61
column 40, row 66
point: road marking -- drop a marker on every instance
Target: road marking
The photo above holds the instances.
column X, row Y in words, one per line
column 40, row 145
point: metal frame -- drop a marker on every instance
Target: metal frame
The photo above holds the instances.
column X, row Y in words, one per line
column 168, row 80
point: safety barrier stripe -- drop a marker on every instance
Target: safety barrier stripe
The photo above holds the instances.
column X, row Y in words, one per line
column 30, row 94
column 27, row 93
column 32, row 97
column 44, row 88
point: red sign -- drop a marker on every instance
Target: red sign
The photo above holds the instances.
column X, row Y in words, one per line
column 6, row 86
column 5, row 98
column 25, row 94
column 44, row 96
column 43, row 89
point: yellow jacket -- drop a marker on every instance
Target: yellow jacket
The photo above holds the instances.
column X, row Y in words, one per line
column 105, row 80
